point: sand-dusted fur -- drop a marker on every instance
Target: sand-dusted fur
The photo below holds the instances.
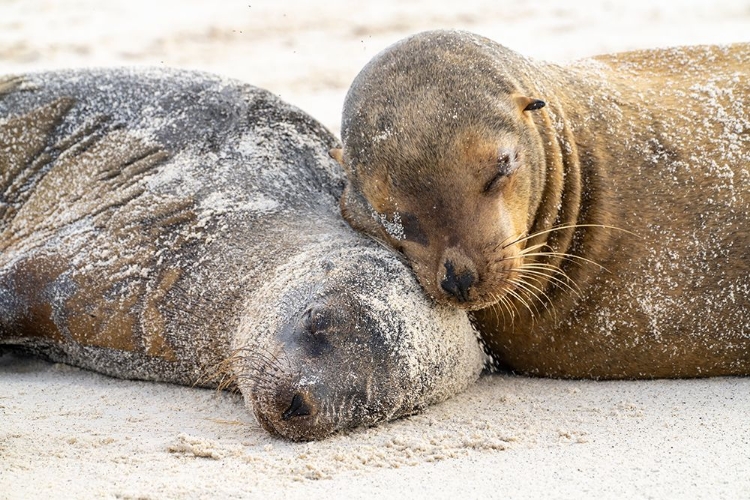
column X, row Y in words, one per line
column 594, row 216
column 179, row 227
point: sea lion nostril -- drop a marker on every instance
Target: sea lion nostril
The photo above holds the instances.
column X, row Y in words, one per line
column 298, row 408
column 457, row 285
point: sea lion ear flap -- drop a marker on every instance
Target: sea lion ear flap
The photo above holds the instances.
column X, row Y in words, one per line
column 337, row 154
column 528, row 103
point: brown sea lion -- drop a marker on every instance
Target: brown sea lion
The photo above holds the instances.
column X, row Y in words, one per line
column 175, row 226
column 594, row 216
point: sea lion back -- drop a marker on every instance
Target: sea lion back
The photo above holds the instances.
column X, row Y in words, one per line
column 114, row 183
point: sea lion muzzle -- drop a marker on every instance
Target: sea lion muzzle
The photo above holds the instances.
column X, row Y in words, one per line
column 457, row 284
column 299, row 408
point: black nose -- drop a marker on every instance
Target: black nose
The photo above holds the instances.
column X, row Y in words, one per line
column 298, row 408
column 457, row 284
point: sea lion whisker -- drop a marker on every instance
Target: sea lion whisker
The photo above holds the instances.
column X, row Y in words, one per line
column 539, row 266
column 501, row 245
column 498, row 305
column 524, row 253
column 529, row 296
column 228, row 382
column 563, row 227
column 569, row 256
column 546, row 269
column 253, row 356
column 535, row 292
column 494, row 308
column 276, row 362
column 217, row 372
column 532, row 248
column 509, row 306
column 520, row 299
column 537, row 275
column 535, row 279
column 504, row 304
column 548, row 303
column 512, row 304
column 264, row 364
column 261, row 371
column 223, row 371
column 568, row 285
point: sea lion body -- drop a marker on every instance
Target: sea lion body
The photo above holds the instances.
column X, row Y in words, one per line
column 593, row 216
column 179, row 227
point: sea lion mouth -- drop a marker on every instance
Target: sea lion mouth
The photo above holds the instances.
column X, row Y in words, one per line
column 479, row 301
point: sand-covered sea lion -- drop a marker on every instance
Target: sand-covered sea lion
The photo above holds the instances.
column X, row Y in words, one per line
column 179, row 227
column 594, row 216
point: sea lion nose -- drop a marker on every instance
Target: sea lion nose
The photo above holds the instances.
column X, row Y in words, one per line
column 299, row 408
column 457, row 284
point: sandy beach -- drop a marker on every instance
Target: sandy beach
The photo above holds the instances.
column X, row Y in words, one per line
column 69, row 433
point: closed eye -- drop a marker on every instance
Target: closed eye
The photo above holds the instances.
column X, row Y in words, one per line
column 316, row 321
column 316, row 327
column 505, row 166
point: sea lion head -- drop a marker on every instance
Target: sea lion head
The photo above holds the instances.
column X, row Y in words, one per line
column 347, row 339
column 444, row 161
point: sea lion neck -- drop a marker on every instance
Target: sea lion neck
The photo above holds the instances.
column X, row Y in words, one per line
column 577, row 206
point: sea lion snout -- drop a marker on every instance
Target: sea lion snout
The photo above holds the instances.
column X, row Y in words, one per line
column 457, row 275
column 300, row 407
column 290, row 408
column 455, row 283
column 319, row 378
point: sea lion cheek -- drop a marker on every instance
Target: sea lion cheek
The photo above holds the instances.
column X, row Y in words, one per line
column 412, row 229
column 513, row 207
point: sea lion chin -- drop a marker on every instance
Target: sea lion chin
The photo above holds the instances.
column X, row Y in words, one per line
column 587, row 214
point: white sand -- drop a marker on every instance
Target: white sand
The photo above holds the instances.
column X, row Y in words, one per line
column 75, row 434
column 66, row 433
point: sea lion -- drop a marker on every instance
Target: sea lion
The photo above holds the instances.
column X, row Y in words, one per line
column 176, row 226
column 592, row 216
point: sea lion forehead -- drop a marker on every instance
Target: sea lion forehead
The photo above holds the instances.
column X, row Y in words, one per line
column 444, row 59
column 404, row 100
column 444, row 46
column 423, row 133
column 426, row 148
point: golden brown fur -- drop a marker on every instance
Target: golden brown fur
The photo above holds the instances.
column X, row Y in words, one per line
column 613, row 241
